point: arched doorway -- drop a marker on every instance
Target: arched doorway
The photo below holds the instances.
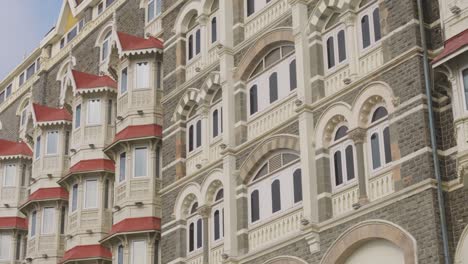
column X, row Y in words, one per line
column 379, row 249
column 461, row 255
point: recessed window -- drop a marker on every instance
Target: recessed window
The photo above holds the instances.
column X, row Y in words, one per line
column 292, row 75
column 37, row 147
column 142, row 75
column 124, row 81
column 62, row 220
column 78, row 116
column 379, row 137
column 214, row 30
column 217, row 120
column 74, row 199
column 465, row 86
column 254, row 206
column 343, row 169
column 276, row 196
column 94, row 112
column 140, row 162
column 335, row 47
column 250, row 7
column 297, row 185
column 9, row 175
column 105, row 47
column 273, row 81
column 120, row 255
column 91, row 194
column 370, row 26
column 52, row 142
column 122, row 166
column 193, row 43
column 32, row 232
column 48, row 220
column 253, row 102
column 194, row 135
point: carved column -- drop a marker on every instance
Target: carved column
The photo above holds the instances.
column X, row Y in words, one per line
column 205, row 120
column 205, row 212
column 352, row 51
column 358, row 135
column 203, row 22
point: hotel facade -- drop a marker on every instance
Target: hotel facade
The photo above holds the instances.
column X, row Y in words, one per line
column 241, row 131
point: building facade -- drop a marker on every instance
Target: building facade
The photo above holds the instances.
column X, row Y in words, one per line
column 243, row 131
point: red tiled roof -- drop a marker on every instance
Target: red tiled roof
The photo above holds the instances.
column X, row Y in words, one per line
column 10, row 148
column 452, row 45
column 49, row 193
column 85, row 80
column 140, row 131
column 13, row 223
column 130, row 42
column 48, row 114
column 136, row 224
column 92, row 165
column 86, row 252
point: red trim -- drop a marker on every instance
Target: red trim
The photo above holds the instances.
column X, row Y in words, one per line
column 452, row 45
column 13, row 223
column 48, row 194
column 85, row 80
column 132, row 132
column 130, row 42
column 86, row 252
column 92, row 165
column 136, row 224
column 47, row 114
column 10, row 148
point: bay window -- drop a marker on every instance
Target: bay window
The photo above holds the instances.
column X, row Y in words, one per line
column 140, row 162
column 9, row 175
column 94, row 112
column 52, row 142
column 379, row 139
column 48, row 220
column 91, row 194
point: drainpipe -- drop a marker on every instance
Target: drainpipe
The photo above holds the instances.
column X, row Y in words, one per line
column 428, row 84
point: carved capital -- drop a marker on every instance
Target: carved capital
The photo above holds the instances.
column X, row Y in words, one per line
column 204, row 211
column 349, row 19
column 358, row 135
column 202, row 19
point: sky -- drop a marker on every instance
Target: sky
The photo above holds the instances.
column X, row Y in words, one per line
column 23, row 24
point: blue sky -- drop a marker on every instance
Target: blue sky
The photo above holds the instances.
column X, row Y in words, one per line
column 23, row 24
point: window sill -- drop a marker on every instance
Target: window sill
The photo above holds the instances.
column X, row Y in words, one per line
column 272, row 106
column 194, row 152
column 337, row 68
column 262, row 222
column 366, row 51
column 345, row 187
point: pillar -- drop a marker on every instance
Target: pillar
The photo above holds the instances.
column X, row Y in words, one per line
column 358, row 135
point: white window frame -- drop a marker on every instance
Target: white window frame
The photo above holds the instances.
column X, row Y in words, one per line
column 120, row 81
column 132, row 253
column 377, row 127
column 369, row 12
column 157, row 10
column 341, row 145
column 210, row 28
column 85, row 196
column 334, row 33
column 8, row 239
column 193, row 122
column 137, row 76
column 193, row 32
column 76, row 121
column 14, row 176
column 462, row 86
column 45, row 232
column 107, row 39
column 218, row 205
column 194, row 219
column 218, row 106
column 37, row 147
column 258, row 6
column 72, row 196
column 125, row 169
column 90, row 115
column 56, row 146
column 24, row 117
column 134, row 159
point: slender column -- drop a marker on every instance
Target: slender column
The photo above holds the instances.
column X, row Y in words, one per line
column 358, row 135
column 205, row 212
column 205, row 113
column 351, row 43
column 203, row 21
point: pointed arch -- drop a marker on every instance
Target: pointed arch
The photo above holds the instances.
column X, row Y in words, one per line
column 275, row 37
column 332, row 116
column 191, row 97
column 273, row 143
column 187, row 12
column 184, row 200
column 325, row 8
column 365, row 231
column 373, row 94
column 211, row 184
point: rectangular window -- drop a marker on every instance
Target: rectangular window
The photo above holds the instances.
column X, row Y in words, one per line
column 23, row 175
column 67, row 142
column 74, row 203
column 5, row 245
column 2, row 97
column 138, row 254
column 8, row 90
column 100, row 8
column 9, row 175
column 78, row 116
column 158, row 7
column 24, row 115
column 30, row 71
column 142, row 75
column 106, row 193
column 158, row 162
column 72, row 34
column 21, row 79
column 62, row 43
column 48, row 220
column 122, row 165
column 123, row 81
column 52, row 142
column 94, row 112
column 158, row 75
column 32, row 233
column 140, row 163
column 90, row 194
column 150, row 10
column 109, row 112
column 38, row 147
column 18, row 247
column 62, row 220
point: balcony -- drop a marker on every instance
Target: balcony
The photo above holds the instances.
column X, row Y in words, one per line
column 370, row 61
column 266, row 17
column 381, row 186
column 335, row 81
column 343, row 200
column 197, row 259
column 193, row 161
column 216, row 254
column 273, row 231
column 199, row 63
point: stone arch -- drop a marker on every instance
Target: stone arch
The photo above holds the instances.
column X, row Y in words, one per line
column 206, row 6
column 373, row 94
column 325, row 8
column 273, row 38
column 209, row 88
column 366, row 231
column 211, row 184
column 109, row 27
column 273, row 143
column 334, row 115
column 461, row 252
column 64, row 74
column 25, row 102
column 191, row 97
column 285, row 260
column 190, row 193
column 183, row 18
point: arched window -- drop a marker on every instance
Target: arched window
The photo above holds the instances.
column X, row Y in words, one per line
column 330, row 52
column 273, row 80
column 253, row 99
column 217, row 225
column 190, row 138
column 191, row 237
column 218, row 216
column 195, row 130
column 370, row 26
column 297, row 185
column 214, row 30
column 219, row 195
column 195, row 229
column 105, row 46
column 276, row 196
column 199, row 233
column 365, row 27
column 379, row 137
column 343, row 167
column 292, row 75
column 216, row 115
column 120, row 255
column 215, row 123
column 190, row 47
column 194, row 208
column 254, row 206
column 335, row 49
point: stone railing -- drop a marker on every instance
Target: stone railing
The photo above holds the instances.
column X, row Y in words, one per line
column 197, row 259
column 193, row 67
column 93, row 134
column 122, row 104
column 274, row 230
column 154, row 27
column 371, row 61
column 89, row 218
column 381, row 186
column 271, row 118
column 265, row 17
column 342, row 201
column 335, row 81
column 142, row 98
column 215, row 151
column 140, row 189
column 216, row 254
column 193, row 160
column 120, row 192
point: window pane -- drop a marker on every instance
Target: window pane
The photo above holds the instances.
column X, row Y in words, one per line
column 349, row 162
column 10, row 175
column 379, row 113
column 105, row 50
column 276, row 196
column 254, row 100
column 341, row 46
column 376, row 18
column 158, row 7
column 190, row 138
column 91, row 194
column 74, row 204
column 78, row 116
column 140, row 162
column 138, row 252
column 365, row 31
column 330, row 53
column 297, row 182
column 94, row 112
column 199, row 133
column 387, row 146
column 338, row 168
column 106, row 194
column 199, row 233
column 38, row 147
column 122, row 163
column 190, row 47
column 123, row 81
column 158, row 162
column 191, row 237
column 32, row 69
column 465, row 86
column 292, row 75
column 215, row 123
column 150, row 11
column 341, row 132
column 67, row 142
column 52, row 142
column 18, row 248
column 33, row 223
column 214, row 36
column 197, row 42
column 72, row 34
column 23, row 175
column 375, row 151
column 62, row 220
column 120, row 255
column 109, row 112
column 142, row 75
column 273, row 87
column 217, row 225
column 5, row 246
column 250, row 7
column 254, row 206
column 48, row 220
column 8, row 90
